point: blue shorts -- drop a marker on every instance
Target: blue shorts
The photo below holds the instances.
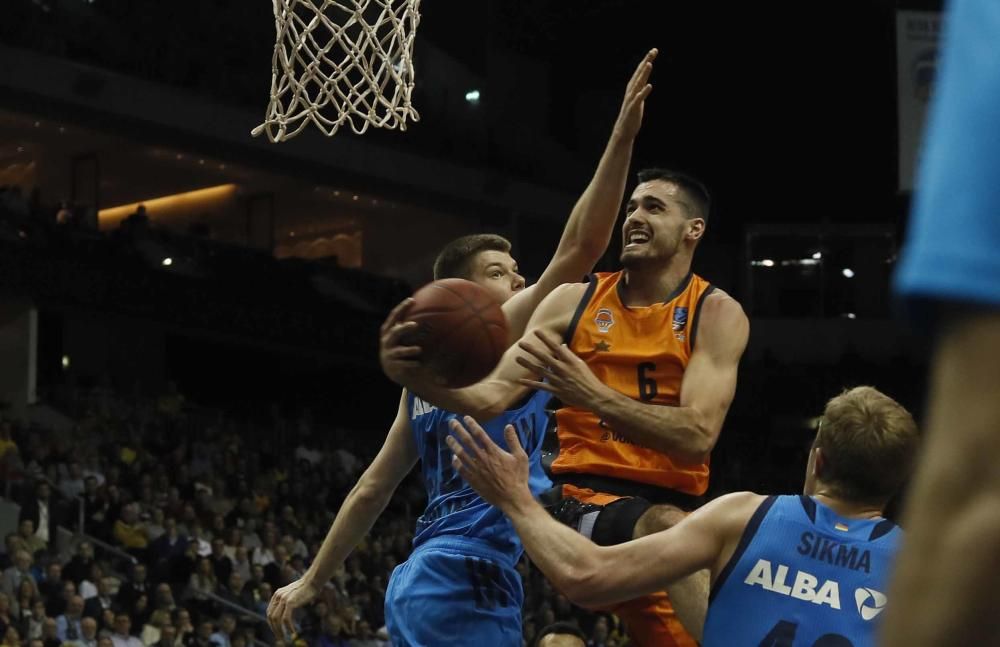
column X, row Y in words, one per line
column 455, row 591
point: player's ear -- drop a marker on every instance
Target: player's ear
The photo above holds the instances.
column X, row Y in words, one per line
column 696, row 228
column 819, row 463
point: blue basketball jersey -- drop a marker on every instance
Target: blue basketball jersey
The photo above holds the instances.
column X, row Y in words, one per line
column 803, row 576
column 454, row 508
column 954, row 231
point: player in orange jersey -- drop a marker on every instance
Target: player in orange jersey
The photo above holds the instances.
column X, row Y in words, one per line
column 644, row 362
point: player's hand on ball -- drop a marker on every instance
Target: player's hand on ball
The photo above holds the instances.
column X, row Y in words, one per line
column 285, row 601
column 560, row 372
column 399, row 362
column 638, row 88
column 498, row 476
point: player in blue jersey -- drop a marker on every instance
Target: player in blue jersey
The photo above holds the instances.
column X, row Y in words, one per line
column 944, row 590
column 787, row 571
column 459, row 584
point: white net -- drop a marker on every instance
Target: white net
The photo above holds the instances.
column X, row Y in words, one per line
column 341, row 61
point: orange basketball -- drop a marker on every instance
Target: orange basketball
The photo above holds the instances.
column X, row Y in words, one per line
column 462, row 330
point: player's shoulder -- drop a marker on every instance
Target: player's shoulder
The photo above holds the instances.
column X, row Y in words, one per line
column 721, row 312
column 731, row 513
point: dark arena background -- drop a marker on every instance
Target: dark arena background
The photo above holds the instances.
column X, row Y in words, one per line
column 189, row 315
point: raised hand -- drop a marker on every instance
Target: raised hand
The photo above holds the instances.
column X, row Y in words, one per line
column 398, row 361
column 638, row 88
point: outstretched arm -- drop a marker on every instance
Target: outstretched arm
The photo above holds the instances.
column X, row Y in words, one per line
column 688, row 431
column 592, row 575
column 357, row 515
column 588, row 230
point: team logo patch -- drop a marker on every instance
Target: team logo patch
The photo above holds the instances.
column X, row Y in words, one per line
column 604, row 320
column 680, row 318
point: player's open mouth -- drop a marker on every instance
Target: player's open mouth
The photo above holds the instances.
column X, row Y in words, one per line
column 635, row 238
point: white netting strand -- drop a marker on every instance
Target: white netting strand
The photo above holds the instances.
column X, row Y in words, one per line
column 338, row 61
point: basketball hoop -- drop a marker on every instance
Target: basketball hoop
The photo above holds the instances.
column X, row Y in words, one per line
column 341, row 61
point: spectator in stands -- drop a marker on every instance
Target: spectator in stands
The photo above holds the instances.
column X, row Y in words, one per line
column 50, row 633
column 232, row 590
column 202, row 581
column 261, row 597
column 35, row 622
column 7, row 616
column 97, row 605
column 11, row 637
column 25, row 597
column 202, row 636
column 34, row 543
column 241, row 563
column 171, row 544
column 168, row 637
column 227, row 627
column 104, row 639
column 12, row 543
column 95, row 508
column 130, row 533
column 11, row 580
column 68, row 624
column 55, row 606
column 265, row 553
column 88, row 633
column 72, row 484
column 40, row 512
column 122, row 635
column 221, row 564
column 52, row 584
column 141, row 611
column 130, row 591
column 333, row 632
column 78, row 568
column 88, row 587
column 156, row 528
column 153, row 630
column 164, row 598
column 185, row 630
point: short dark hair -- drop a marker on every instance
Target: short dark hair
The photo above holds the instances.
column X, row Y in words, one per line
column 560, row 628
column 701, row 199
column 454, row 260
column 869, row 441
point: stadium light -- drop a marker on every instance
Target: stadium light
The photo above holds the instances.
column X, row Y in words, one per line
column 472, row 96
column 167, row 262
column 847, row 272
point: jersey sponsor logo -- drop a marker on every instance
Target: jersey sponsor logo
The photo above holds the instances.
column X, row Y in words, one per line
column 870, row 602
column 421, row 408
column 834, row 553
column 604, row 320
column 805, row 586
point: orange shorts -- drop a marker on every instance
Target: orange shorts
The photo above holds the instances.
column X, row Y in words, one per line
column 650, row 620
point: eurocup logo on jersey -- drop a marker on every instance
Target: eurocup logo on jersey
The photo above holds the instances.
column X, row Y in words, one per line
column 870, row 602
column 680, row 318
column 604, row 320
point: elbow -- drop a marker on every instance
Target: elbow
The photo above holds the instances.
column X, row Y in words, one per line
column 371, row 492
column 582, row 584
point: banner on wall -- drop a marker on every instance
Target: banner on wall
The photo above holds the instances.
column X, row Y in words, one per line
column 917, row 41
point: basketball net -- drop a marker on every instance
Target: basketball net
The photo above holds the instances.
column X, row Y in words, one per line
column 341, row 61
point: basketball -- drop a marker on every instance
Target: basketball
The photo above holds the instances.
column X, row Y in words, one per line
column 462, row 330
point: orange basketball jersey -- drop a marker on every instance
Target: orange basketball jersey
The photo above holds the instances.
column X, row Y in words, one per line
column 641, row 353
